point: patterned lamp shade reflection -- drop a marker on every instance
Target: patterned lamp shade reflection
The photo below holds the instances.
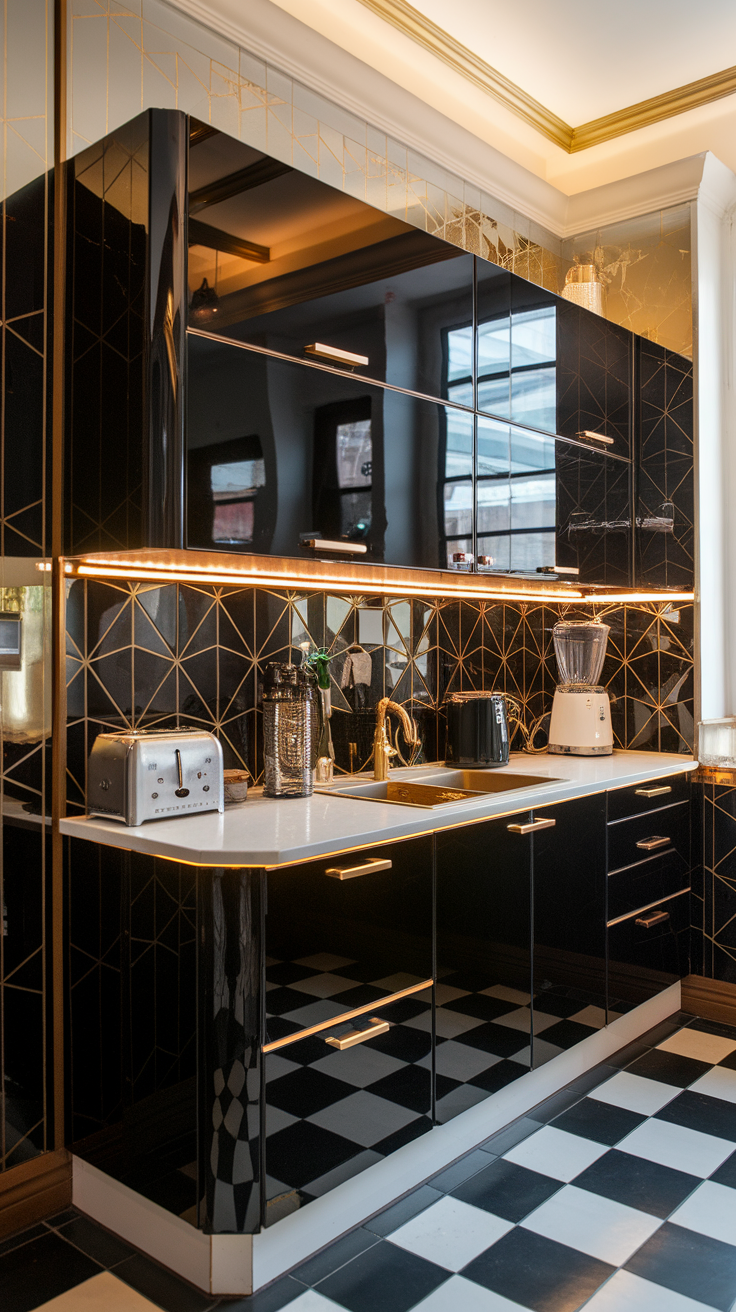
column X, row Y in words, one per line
column 584, row 287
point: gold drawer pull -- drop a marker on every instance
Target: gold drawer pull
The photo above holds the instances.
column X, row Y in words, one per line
column 649, row 844
column 353, row 872
column 654, row 918
column 654, row 792
column 358, row 1036
column 541, row 823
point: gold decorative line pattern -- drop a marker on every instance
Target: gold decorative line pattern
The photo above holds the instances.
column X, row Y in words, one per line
column 439, row 43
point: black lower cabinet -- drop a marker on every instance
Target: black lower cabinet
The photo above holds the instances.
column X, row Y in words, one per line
column 348, row 1028
column 649, row 950
column 332, row 1111
column 569, row 878
column 484, row 961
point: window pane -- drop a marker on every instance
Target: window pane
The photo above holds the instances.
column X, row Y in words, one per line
column 493, row 395
column 498, row 548
column 461, row 393
column 459, row 444
column 534, row 398
column 533, row 502
column 529, row 550
column 355, row 515
column 494, row 515
column 493, row 448
column 530, row 453
column 354, row 454
column 494, row 346
column 236, row 479
column 534, row 337
column 458, row 510
column 459, row 353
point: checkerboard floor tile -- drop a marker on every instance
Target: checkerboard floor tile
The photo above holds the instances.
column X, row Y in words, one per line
column 618, row 1194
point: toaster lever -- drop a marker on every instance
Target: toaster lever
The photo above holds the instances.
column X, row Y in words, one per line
column 181, row 791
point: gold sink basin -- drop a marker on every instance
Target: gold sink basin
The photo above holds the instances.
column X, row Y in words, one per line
column 442, row 788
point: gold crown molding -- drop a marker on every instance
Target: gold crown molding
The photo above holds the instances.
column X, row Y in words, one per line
column 422, row 30
column 439, row 43
column 679, row 101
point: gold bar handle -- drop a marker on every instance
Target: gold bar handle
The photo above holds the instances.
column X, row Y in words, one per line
column 650, row 844
column 532, row 827
column 352, row 1037
column 326, row 544
column 354, row 872
column 654, row 792
column 656, row 918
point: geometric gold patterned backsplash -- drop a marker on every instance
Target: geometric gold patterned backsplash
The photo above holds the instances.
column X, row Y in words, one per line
column 158, row 656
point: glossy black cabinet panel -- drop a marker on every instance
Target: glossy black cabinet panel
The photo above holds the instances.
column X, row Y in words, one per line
column 649, row 951
column 665, row 506
column 326, row 271
column 594, row 529
column 645, row 798
column 640, row 836
column 337, row 942
column 484, row 967
column 330, row 1113
column 594, row 377
column 281, row 453
column 541, row 501
column 569, row 923
column 643, row 884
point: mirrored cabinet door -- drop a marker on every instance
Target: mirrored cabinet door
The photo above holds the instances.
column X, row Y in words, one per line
column 281, row 260
column 284, row 457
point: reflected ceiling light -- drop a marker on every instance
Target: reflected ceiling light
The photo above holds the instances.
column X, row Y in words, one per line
column 205, row 303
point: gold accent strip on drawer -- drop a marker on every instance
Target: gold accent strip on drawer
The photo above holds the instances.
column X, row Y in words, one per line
column 347, row 1015
column 630, row 914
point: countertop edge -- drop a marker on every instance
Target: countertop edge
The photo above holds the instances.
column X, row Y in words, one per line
column 396, row 827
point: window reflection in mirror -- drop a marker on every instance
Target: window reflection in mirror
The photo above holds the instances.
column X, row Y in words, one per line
column 516, row 497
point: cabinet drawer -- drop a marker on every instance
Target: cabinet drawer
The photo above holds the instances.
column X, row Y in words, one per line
column 643, row 884
column 648, row 953
column 632, row 841
column 319, row 1127
column 638, row 799
column 346, row 933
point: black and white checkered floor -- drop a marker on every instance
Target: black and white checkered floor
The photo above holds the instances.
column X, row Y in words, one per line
column 616, row 1195
column 332, row 1114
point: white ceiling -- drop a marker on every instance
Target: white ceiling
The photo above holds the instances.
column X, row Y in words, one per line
column 586, row 58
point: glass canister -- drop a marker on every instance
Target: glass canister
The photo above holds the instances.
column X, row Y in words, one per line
column 290, row 731
column 580, row 648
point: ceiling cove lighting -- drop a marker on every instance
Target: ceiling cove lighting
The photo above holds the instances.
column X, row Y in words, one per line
column 143, row 571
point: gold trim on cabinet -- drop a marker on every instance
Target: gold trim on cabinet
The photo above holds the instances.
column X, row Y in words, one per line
column 346, row 1016
column 443, row 46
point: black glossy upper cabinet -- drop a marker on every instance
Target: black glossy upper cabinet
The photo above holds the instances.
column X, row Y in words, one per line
column 283, row 261
column 282, row 457
column 551, row 365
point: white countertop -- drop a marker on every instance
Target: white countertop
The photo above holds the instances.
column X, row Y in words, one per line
column 266, row 832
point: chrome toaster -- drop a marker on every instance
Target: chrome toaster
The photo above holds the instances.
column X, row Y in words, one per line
column 138, row 775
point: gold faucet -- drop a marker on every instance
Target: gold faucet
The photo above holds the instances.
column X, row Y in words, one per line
column 382, row 749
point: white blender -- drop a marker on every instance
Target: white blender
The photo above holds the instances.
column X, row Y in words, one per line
column 581, row 711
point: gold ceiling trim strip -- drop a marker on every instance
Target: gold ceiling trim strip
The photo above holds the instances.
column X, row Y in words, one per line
column 439, row 43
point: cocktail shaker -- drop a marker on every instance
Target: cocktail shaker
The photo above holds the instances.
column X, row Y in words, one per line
column 290, row 731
